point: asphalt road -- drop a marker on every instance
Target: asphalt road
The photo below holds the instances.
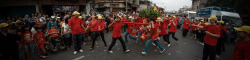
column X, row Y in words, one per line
column 186, row 49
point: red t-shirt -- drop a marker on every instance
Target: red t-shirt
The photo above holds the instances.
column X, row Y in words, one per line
column 185, row 24
column 92, row 25
column 154, row 33
column 130, row 27
column 83, row 23
column 75, row 24
column 203, row 25
column 138, row 20
column 163, row 27
column 241, row 51
column 194, row 27
column 222, row 30
column 117, row 29
column 124, row 19
column 173, row 27
column 55, row 32
column 100, row 25
column 27, row 37
column 39, row 37
column 214, row 29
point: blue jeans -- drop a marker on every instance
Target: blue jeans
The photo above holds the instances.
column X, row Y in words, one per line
column 149, row 42
column 77, row 40
column 126, row 39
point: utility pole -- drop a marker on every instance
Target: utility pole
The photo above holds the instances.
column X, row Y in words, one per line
column 126, row 5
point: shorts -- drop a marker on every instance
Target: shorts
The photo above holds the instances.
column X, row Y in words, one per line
column 40, row 45
column 28, row 47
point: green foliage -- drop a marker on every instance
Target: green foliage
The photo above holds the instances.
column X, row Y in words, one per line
column 149, row 13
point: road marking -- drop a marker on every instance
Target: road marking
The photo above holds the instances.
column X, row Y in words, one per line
column 79, row 58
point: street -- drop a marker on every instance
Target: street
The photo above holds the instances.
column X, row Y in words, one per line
column 186, row 49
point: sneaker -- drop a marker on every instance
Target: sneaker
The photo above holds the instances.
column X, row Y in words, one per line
column 217, row 56
column 81, row 50
column 105, row 46
column 144, row 53
column 75, row 52
column 153, row 44
column 127, row 51
column 202, row 43
column 110, row 52
column 162, row 51
column 168, row 45
column 91, row 48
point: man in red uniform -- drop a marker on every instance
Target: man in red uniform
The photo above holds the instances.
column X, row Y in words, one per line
column 212, row 35
column 117, row 25
column 76, row 25
column 172, row 30
column 99, row 26
column 202, row 32
column 242, row 50
column 130, row 25
column 163, row 28
column 220, row 42
column 185, row 26
column 194, row 29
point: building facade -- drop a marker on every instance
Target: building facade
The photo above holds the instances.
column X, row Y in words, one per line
column 197, row 4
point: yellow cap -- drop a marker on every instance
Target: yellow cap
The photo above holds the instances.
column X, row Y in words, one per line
column 99, row 17
column 187, row 17
column 207, row 23
column 76, row 13
column 124, row 15
column 221, row 22
column 202, row 20
column 80, row 17
column 159, row 18
column 167, row 16
column 130, row 17
column 213, row 18
column 2, row 25
column 243, row 28
column 120, row 16
column 173, row 16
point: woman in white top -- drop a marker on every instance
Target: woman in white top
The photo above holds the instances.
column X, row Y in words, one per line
column 67, row 37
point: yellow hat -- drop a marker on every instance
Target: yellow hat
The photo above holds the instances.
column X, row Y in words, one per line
column 80, row 17
column 120, row 16
column 202, row 20
column 221, row 22
column 159, row 18
column 173, row 16
column 207, row 23
column 124, row 15
column 187, row 17
column 167, row 16
column 243, row 28
column 99, row 17
column 2, row 25
column 76, row 13
column 213, row 18
column 130, row 17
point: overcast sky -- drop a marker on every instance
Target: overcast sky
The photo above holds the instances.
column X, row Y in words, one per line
column 170, row 5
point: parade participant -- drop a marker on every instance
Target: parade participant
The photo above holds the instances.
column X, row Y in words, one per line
column 185, row 26
column 163, row 28
column 130, row 25
column 39, row 39
column 27, row 41
column 76, row 25
column 194, row 29
column 100, row 26
column 154, row 37
column 83, row 30
column 172, row 30
column 220, row 42
column 202, row 32
column 212, row 35
column 242, row 50
column 117, row 25
column 67, row 37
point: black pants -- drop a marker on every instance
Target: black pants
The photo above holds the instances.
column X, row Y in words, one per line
column 95, row 35
column 9, row 54
column 184, row 33
column 67, row 40
column 201, row 36
column 173, row 33
column 220, row 45
column 77, row 40
column 114, row 41
column 165, row 38
column 209, row 51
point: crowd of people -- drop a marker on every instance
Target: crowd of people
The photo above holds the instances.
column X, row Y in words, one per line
column 63, row 31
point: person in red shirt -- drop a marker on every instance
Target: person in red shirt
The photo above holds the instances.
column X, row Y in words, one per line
column 27, row 41
column 212, row 35
column 172, row 30
column 242, row 50
column 154, row 37
column 194, row 29
column 220, row 42
column 185, row 26
column 83, row 30
column 100, row 26
column 202, row 32
column 39, row 38
column 76, row 25
column 117, row 25
column 53, row 34
column 163, row 29
column 130, row 25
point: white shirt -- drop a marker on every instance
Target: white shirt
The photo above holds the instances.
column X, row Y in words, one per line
column 65, row 26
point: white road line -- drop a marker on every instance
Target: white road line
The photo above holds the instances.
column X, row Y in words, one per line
column 79, row 58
